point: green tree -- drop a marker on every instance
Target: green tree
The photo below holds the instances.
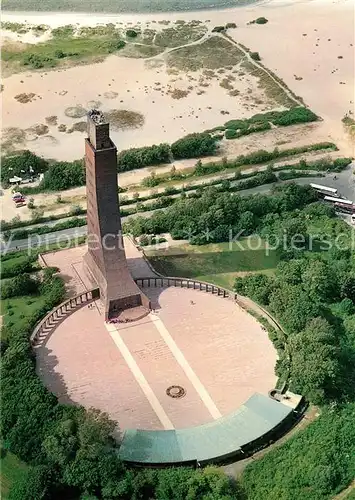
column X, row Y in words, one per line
column 293, row 307
column 64, row 175
column 320, row 282
column 194, row 145
column 37, row 484
column 315, row 361
column 211, row 484
column 23, row 284
column 255, row 286
column 24, row 164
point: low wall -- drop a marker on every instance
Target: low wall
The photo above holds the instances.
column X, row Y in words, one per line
column 59, row 313
column 164, row 282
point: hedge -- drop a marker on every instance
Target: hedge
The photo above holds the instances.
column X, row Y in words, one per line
column 134, row 158
column 25, row 233
column 194, row 146
column 285, row 118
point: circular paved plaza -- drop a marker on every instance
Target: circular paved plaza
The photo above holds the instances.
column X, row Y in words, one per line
column 194, row 359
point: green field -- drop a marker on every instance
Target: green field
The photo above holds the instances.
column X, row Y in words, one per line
column 216, row 263
column 17, row 310
column 11, row 471
column 120, row 5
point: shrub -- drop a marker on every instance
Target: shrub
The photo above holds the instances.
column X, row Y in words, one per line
column 134, row 158
column 261, row 121
column 237, row 124
column 23, row 284
column 347, row 307
column 340, row 164
column 194, row 145
column 112, row 45
column 131, row 33
column 255, row 56
column 295, row 115
column 295, row 174
column 231, row 134
column 144, row 240
column 11, row 269
column 76, row 210
column 218, row 29
column 259, row 179
column 37, row 61
column 59, row 54
column 31, row 203
column 231, row 25
column 261, row 20
column 151, row 181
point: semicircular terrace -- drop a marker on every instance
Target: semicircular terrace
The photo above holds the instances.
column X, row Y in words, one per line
column 196, row 337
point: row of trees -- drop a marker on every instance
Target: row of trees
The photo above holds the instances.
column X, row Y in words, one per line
column 63, row 175
column 214, row 215
column 190, row 146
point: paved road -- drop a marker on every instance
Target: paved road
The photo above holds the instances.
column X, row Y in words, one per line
column 47, row 239
column 344, row 183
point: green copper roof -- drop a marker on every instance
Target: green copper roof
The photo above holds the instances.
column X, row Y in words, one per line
column 217, row 439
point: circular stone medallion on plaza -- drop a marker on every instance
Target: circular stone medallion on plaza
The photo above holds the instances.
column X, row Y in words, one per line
column 208, row 346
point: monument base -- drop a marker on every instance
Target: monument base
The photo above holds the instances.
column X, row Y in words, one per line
column 119, row 293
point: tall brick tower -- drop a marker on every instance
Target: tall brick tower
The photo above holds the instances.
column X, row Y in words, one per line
column 105, row 259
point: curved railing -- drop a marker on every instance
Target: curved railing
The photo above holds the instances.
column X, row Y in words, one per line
column 59, row 313
column 164, row 282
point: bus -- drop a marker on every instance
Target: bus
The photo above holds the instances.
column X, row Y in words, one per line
column 325, row 190
column 341, row 205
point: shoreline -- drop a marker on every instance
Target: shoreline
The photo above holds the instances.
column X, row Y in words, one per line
column 81, row 18
column 214, row 15
column 312, row 56
column 143, row 12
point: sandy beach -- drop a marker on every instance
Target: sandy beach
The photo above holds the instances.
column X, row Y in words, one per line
column 300, row 43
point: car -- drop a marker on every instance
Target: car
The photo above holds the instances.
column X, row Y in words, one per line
column 21, row 200
column 17, row 196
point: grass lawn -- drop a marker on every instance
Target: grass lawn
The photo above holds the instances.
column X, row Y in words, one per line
column 13, row 261
column 12, row 470
column 213, row 53
column 63, row 47
column 18, row 309
column 216, row 263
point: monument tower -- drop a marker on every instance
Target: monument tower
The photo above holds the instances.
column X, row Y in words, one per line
column 105, row 259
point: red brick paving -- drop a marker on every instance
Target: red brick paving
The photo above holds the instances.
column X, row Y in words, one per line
column 81, row 364
column 225, row 346
column 161, row 370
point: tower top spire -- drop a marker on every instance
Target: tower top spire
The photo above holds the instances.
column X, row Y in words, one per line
column 98, row 130
column 97, row 116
